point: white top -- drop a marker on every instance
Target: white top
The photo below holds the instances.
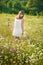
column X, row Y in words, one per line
column 17, row 31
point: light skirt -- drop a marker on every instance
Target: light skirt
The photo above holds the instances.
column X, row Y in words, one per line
column 17, row 30
column 17, row 33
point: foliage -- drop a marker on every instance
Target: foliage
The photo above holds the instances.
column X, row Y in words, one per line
column 13, row 6
column 21, row 54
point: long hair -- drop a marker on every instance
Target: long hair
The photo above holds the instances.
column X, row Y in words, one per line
column 21, row 12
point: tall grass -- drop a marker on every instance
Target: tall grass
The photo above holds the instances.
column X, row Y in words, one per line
column 29, row 51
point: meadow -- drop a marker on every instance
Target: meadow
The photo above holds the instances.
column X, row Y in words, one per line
column 29, row 51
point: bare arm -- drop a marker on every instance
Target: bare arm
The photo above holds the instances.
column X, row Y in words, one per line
column 22, row 26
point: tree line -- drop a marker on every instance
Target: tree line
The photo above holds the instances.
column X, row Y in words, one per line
column 32, row 7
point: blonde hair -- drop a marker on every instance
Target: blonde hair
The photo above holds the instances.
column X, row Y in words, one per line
column 21, row 12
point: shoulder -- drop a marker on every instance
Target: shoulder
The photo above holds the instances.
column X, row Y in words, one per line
column 17, row 17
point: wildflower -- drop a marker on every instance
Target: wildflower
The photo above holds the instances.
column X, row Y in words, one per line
column 1, row 47
column 1, row 38
column 12, row 50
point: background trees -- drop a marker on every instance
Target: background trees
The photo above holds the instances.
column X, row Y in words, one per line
column 29, row 6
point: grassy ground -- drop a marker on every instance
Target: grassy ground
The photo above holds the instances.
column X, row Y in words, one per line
column 33, row 26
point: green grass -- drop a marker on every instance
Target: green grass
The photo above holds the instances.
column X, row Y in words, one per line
column 33, row 26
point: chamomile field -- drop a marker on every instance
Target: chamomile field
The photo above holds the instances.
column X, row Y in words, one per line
column 29, row 50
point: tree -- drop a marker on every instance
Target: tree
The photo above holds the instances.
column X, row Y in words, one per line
column 29, row 6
